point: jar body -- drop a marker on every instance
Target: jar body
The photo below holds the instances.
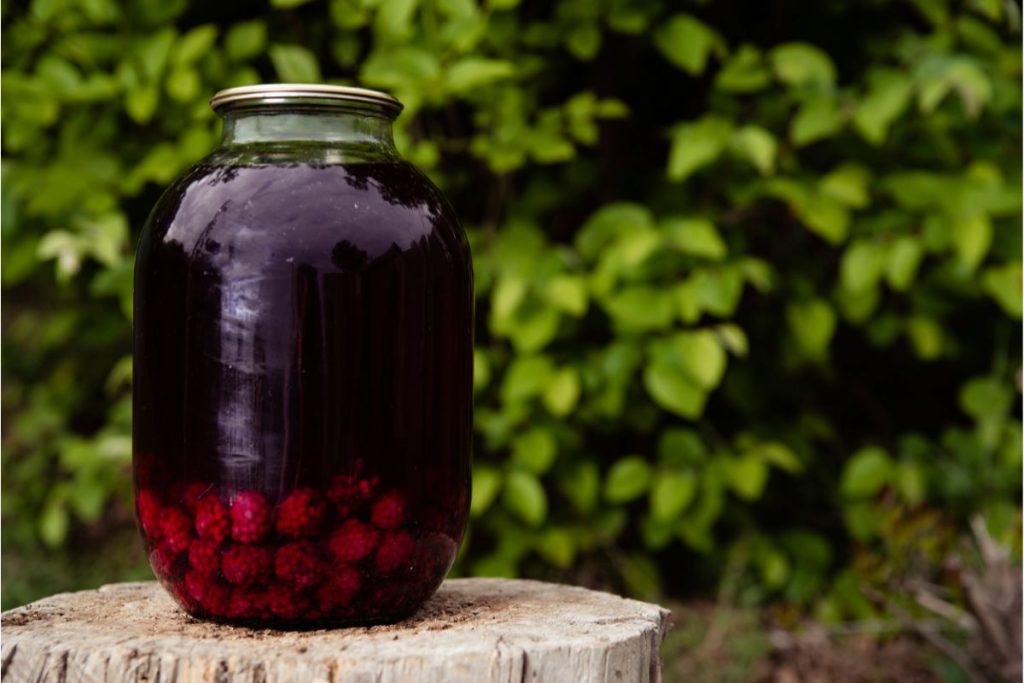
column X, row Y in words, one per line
column 302, row 387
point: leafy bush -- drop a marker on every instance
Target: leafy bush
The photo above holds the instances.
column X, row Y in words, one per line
column 749, row 274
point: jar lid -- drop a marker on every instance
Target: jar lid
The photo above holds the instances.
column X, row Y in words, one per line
column 283, row 93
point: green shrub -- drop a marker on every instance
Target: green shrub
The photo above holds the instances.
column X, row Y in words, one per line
column 749, row 274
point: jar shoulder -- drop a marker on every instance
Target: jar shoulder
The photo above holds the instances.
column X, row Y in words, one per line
column 324, row 215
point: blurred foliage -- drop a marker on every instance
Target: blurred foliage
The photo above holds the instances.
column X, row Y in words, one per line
column 749, row 274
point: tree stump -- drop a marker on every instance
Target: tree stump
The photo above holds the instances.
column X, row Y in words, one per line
column 471, row 630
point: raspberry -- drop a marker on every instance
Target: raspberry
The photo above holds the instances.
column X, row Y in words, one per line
column 287, row 604
column 339, row 589
column 249, row 604
column 299, row 565
column 389, row 510
column 300, row 514
column 212, row 521
column 349, row 493
column 245, row 565
column 176, row 526
column 212, row 595
column 250, row 517
column 164, row 561
column 395, row 550
column 149, row 511
column 202, row 555
column 352, row 541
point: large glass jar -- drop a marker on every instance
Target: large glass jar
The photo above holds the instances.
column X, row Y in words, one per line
column 303, row 368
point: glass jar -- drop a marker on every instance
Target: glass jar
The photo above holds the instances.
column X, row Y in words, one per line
column 303, row 368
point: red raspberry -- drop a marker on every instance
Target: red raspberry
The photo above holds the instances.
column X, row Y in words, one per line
column 149, row 511
column 300, row 514
column 287, row 604
column 339, row 589
column 189, row 495
column 212, row 521
column 299, row 565
column 212, row 595
column 395, row 550
column 349, row 492
column 389, row 510
column 164, row 561
column 176, row 527
column 202, row 555
column 352, row 541
column 245, row 565
column 249, row 604
column 250, row 517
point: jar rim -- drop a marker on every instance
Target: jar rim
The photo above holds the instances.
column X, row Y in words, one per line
column 302, row 93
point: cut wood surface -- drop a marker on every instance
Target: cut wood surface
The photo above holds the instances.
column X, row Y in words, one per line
column 471, row 630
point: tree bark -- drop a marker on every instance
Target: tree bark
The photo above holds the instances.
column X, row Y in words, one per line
column 472, row 630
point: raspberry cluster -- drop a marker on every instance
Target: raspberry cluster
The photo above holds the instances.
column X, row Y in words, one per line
column 351, row 552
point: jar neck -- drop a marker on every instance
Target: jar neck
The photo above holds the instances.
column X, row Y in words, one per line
column 368, row 131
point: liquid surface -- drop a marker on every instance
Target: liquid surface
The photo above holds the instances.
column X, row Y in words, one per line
column 303, row 351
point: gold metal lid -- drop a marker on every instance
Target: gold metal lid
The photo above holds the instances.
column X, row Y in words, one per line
column 283, row 93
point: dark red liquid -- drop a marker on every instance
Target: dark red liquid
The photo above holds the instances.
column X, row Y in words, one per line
column 302, row 391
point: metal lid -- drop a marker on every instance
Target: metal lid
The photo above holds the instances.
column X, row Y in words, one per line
column 282, row 93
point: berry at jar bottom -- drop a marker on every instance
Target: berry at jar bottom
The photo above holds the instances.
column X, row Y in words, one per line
column 349, row 553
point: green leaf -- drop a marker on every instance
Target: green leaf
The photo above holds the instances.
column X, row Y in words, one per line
column 294, row 63
column 812, row 325
column 582, row 485
column 883, row 104
column 746, row 475
column 743, row 72
column 402, row 68
column 862, row 266
column 557, row 546
column 471, row 73
column 688, row 42
column 801, row 64
column 535, row 450
column 904, row 258
column 818, row 118
column 393, row 21
column 926, row 336
column 757, row 146
column 983, row 397
column 866, row 472
column 525, row 498
column 567, row 293
column 696, row 145
column 695, row 236
column 584, row 41
column 848, row 185
column 697, row 353
column 1003, row 283
column 674, row 390
column 778, row 454
column 526, row 377
column 194, row 44
column 680, row 447
column 183, row 84
column 718, row 290
column 607, row 223
column 562, row 392
column 641, row 308
column 671, row 493
column 246, row 39
column 732, row 338
column 53, row 521
column 972, row 237
column 287, row 4
column 481, row 370
column 627, row 479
